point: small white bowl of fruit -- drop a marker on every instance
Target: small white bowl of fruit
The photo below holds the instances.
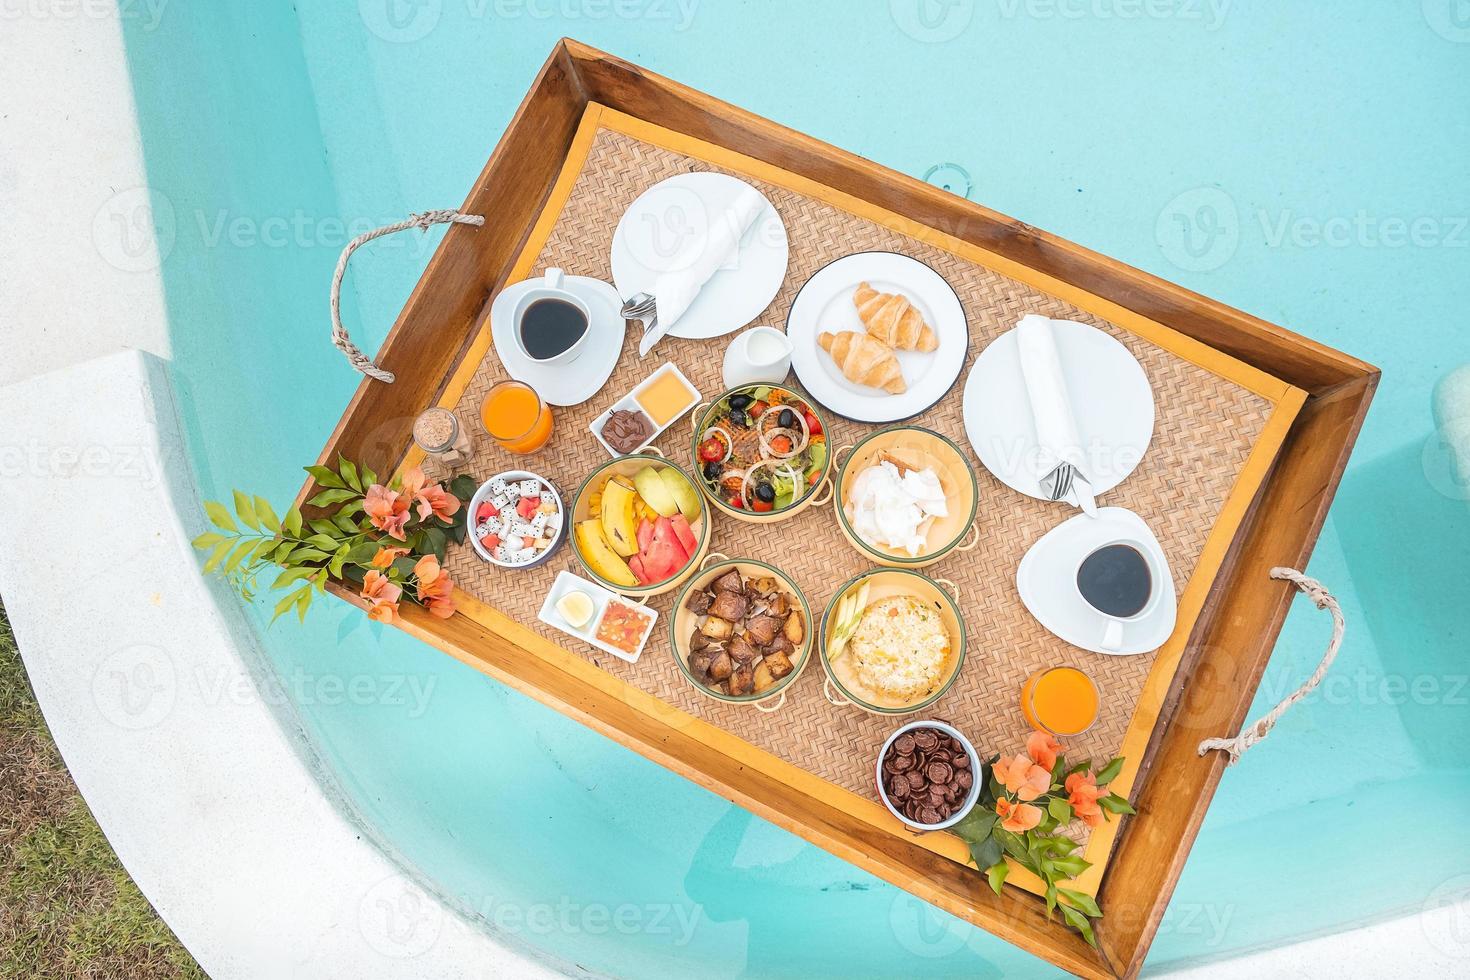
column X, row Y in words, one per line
column 516, row 520
column 639, row 526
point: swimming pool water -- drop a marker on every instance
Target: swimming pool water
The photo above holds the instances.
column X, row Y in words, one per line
column 1306, row 163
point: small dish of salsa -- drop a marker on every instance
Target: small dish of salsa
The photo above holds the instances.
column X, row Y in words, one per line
column 624, row 626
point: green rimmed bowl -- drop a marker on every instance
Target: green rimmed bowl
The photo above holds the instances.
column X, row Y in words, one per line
column 682, row 623
column 844, row 687
column 916, row 448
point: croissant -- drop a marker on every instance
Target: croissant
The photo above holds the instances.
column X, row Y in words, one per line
column 892, row 319
column 864, row 361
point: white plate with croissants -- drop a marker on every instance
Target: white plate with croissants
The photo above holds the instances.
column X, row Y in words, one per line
column 877, row 337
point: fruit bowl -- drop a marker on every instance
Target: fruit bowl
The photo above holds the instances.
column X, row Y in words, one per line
column 638, row 525
column 753, row 466
column 500, row 506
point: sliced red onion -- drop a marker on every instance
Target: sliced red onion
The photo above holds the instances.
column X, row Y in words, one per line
column 797, row 444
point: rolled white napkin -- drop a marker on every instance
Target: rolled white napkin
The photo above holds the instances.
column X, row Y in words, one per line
column 1046, row 388
column 676, row 290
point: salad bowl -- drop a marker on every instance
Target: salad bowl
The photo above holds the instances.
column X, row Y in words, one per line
column 760, row 453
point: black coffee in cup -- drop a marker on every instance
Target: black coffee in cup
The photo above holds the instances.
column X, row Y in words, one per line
column 550, row 327
column 1116, row 581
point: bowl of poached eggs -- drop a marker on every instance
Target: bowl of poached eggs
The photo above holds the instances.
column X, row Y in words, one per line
column 906, row 497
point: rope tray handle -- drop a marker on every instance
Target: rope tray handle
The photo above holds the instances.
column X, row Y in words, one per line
column 421, row 221
column 1261, row 727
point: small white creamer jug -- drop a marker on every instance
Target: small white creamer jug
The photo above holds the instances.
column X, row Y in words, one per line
column 760, row 355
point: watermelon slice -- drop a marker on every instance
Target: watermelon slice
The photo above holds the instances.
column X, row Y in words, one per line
column 526, row 507
column 636, row 565
column 491, row 542
column 645, row 534
column 685, row 533
column 487, row 510
column 664, row 556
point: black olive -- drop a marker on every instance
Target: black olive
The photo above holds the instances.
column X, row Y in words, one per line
column 766, row 492
column 788, row 419
column 712, row 471
column 739, row 420
column 740, row 402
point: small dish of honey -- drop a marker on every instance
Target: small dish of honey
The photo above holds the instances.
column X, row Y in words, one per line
column 659, row 399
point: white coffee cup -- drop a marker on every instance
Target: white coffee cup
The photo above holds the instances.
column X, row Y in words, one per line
column 1112, row 638
column 551, row 286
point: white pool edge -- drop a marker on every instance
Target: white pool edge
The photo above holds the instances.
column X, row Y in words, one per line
column 214, row 802
column 215, row 807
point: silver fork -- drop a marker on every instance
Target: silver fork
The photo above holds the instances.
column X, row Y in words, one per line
column 640, row 306
column 1058, row 483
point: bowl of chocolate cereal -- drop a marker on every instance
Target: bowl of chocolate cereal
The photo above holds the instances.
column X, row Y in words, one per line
column 929, row 775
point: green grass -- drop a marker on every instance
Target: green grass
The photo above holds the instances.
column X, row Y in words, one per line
column 67, row 907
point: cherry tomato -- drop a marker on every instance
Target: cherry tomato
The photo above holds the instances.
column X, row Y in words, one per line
column 812, row 425
column 712, row 450
column 757, row 409
column 736, row 502
column 758, row 505
column 811, row 481
column 781, row 444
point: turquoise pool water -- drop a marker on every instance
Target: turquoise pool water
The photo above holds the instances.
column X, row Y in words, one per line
column 1305, row 162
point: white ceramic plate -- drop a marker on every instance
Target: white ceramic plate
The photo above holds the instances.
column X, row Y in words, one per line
column 567, row 582
column 1110, row 396
column 578, row 380
column 825, row 304
column 658, row 225
column 1047, row 577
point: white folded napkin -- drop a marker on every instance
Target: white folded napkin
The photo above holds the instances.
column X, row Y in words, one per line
column 676, row 290
column 1046, row 388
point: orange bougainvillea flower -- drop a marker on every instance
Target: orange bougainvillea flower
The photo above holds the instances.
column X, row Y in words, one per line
column 1023, row 777
column 434, row 587
column 1083, row 794
column 383, row 596
column 387, row 510
column 387, row 556
column 1043, row 749
column 428, row 499
column 1017, row 817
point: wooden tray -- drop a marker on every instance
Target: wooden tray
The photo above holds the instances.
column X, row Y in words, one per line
column 1306, row 404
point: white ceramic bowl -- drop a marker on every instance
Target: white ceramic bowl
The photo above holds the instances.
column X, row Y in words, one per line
column 483, row 494
column 971, row 798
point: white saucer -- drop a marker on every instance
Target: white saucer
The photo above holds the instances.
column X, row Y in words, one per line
column 652, row 233
column 825, row 305
column 578, row 380
column 1047, row 579
column 1110, row 396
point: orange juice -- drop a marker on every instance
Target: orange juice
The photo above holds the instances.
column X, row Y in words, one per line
column 516, row 417
column 1062, row 700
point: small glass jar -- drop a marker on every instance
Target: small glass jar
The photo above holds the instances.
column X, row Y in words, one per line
column 437, row 432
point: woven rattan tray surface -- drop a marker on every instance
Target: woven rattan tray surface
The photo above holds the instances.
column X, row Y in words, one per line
column 1205, row 430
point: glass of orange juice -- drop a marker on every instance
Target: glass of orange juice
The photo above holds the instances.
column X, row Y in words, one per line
column 1060, row 700
column 516, row 417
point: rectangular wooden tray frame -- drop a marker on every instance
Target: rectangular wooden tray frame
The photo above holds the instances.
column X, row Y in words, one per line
column 1321, row 394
